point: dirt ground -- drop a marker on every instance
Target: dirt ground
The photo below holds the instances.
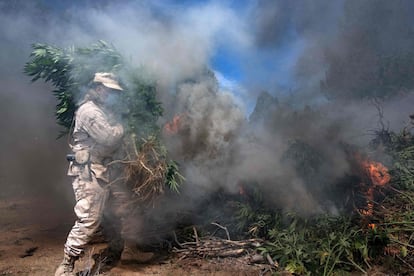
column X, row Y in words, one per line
column 33, row 231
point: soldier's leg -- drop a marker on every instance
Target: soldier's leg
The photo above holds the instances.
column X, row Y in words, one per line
column 90, row 200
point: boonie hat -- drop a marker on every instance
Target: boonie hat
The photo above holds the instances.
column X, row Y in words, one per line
column 107, row 79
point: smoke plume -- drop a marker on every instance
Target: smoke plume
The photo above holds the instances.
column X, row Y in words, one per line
column 321, row 62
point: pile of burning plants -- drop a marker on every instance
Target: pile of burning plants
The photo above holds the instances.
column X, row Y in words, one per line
column 373, row 231
column 370, row 228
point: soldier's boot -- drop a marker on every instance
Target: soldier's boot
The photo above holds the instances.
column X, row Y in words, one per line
column 67, row 266
column 131, row 254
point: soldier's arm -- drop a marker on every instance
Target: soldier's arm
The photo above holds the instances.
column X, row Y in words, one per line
column 96, row 124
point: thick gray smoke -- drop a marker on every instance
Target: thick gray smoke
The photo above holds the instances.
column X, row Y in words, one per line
column 302, row 52
column 356, row 48
column 32, row 158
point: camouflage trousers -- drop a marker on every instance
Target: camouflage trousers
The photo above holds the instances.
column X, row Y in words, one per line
column 99, row 212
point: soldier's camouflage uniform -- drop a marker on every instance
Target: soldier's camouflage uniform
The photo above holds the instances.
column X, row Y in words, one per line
column 97, row 135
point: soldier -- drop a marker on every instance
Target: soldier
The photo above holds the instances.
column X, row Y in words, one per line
column 97, row 136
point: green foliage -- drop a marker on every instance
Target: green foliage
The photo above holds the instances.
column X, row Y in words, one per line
column 254, row 221
column 322, row 245
column 403, row 169
column 173, row 177
column 54, row 65
column 319, row 245
column 139, row 104
column 397, row 214
column 398, row 222
column 251, row 216
column 70, row 71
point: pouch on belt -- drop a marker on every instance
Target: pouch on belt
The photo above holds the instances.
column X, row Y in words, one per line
column 80, row 157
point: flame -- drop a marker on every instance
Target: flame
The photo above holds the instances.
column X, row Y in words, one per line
column 377, row 172
column 174, row 125
column 379, row 176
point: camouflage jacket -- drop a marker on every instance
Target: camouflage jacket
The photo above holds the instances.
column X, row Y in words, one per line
column 98, row 132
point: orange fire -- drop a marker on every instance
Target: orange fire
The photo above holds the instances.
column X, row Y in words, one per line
column 379, row 176
column 173, row 126
column 377, row 172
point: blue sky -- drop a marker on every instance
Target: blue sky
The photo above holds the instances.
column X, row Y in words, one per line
column 229, row 63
